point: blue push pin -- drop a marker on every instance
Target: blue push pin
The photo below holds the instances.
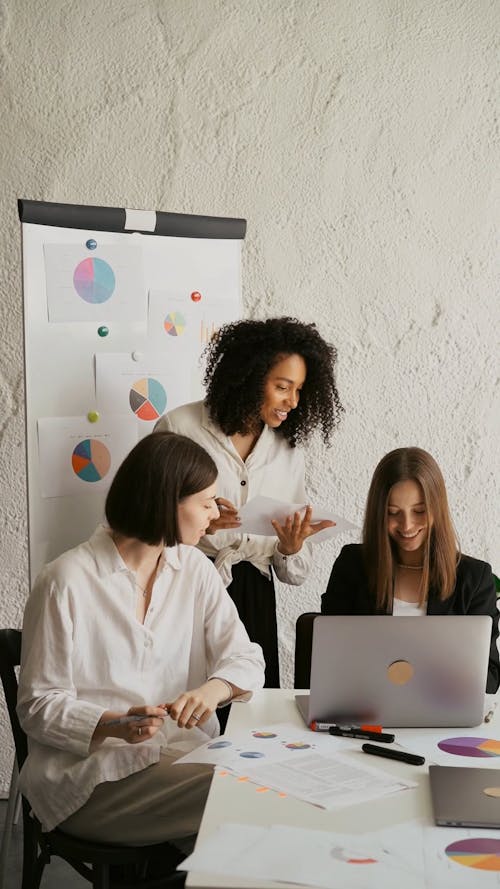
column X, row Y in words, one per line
column 91, row 244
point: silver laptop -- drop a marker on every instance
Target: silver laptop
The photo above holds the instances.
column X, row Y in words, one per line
column 398, row 671
column 465, row 797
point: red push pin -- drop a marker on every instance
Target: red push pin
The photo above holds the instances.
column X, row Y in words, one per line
column 196, row 296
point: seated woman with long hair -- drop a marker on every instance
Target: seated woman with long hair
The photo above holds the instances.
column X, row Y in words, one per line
column 409, row 562
column 134, row 622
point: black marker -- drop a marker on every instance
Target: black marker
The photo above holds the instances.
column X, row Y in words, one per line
column 383, row 737
column 411, row 758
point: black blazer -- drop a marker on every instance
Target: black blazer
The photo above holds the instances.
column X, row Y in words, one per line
column 347, row 593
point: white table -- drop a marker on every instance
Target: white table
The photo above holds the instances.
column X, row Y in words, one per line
column 232, row 800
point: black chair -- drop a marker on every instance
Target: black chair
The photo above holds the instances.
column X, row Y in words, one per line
column 303, row 649
column 104, row 865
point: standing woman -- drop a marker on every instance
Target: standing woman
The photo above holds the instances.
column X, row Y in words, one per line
column 409, row 562
column 269, row 385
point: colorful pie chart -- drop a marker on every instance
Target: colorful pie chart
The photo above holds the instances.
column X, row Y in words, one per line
column 91, row 460
column 479, row 747
column 94, row 280
column 148, row 399
column 264, row 735
column 481, row 853
column 175, row 324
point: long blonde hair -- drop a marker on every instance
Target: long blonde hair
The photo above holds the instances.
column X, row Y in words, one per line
column 441, row 552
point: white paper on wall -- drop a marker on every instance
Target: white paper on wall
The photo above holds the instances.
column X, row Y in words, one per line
column 145, row 387
column 80, row 457
column 103, row 284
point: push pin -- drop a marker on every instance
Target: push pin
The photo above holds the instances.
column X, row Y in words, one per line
column 196, row 296
column 93, row 416
column 91, row 244
column 103, row 330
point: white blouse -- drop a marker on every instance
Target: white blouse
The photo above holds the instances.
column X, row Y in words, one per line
column 400, row 608
column 272, row 469
column 84, row 652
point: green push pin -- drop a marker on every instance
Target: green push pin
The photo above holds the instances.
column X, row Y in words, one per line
column 93, row 416
column 103, row 330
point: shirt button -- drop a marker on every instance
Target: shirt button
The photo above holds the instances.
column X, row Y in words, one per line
column 243, row 482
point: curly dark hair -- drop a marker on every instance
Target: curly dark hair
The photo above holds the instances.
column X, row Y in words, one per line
column 239, row 357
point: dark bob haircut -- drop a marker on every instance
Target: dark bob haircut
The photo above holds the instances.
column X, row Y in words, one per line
column 160, row 471
column 239, row 357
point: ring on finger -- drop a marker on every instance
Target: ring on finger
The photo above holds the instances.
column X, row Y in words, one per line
column 196, row 716
column 139, row 731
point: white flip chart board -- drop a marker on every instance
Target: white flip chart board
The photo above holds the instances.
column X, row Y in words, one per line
column 118, row 306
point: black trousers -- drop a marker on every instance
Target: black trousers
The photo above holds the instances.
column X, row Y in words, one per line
column 255, row 599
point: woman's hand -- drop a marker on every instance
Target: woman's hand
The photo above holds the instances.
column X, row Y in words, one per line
column 195, row 707
column 297, row 529
column 131, row 732
column 228, row 517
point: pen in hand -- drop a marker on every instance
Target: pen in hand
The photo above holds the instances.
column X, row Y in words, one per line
column 124, row 720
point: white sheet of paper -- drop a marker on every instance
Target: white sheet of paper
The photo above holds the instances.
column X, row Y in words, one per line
column 243, row 751
column 105, row 284
column 477, row 747
column 313, row 857
column 304, row 764
column 461, row 858
column 257, row 513
column 329, row 781
column 146, row 387
column 80, row 457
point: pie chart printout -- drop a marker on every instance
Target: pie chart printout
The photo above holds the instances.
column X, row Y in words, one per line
column 481, row 853
column 91, row 460
column 175, row 324
column 148, row 399
column 478, row 747
column 94, row 280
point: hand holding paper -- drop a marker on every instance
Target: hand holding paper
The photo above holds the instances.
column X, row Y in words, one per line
column 297, row 528
column 261, row 515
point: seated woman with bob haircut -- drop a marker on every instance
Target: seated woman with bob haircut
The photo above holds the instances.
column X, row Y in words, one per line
column 134, row 622
column 409, row 562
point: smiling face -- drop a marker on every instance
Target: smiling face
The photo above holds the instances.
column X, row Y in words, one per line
column 194, row 514
column 282, row 388
column 408, row 522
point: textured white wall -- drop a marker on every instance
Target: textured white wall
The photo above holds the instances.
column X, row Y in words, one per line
column 357, row 138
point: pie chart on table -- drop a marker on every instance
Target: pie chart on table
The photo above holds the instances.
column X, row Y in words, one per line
column 91, row 460
column 94, row 280
column 480, row 852
column 148, row 399
column 478, row 747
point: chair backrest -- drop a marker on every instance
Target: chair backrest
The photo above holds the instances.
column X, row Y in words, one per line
column 10, row 658
column 303, row 649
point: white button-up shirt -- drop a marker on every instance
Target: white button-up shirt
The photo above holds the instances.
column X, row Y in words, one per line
column 272, row 469
column 84, row 652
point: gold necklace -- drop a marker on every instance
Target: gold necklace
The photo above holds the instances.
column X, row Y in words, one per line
column 150, row 583
column 411, row 567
